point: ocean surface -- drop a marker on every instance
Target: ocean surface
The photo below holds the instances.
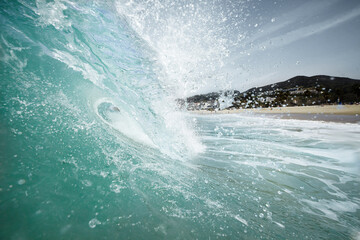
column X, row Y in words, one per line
column 92, row 146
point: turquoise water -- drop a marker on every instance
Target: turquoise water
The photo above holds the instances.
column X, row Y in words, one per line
column 91, row 146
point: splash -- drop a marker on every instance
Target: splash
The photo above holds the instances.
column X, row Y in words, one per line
column 191, row 39
column 189, row 43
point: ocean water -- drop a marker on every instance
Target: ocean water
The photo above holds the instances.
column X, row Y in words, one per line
column 92, row 146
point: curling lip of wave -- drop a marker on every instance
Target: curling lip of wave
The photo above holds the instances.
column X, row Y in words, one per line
column 122, row 122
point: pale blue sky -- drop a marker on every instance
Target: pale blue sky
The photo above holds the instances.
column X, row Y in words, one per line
column 288, row 38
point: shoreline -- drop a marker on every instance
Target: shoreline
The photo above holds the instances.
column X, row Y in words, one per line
column 328, row 113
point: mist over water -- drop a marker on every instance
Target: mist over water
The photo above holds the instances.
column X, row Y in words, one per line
column 93, row 146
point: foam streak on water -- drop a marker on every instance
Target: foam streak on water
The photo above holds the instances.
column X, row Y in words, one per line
column 291, row 174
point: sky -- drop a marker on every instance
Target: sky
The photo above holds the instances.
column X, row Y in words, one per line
column 286, row 38
column 211, row 45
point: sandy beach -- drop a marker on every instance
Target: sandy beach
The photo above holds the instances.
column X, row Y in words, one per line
column 333, row 113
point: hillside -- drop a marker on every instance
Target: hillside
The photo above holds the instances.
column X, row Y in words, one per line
column 297, row 91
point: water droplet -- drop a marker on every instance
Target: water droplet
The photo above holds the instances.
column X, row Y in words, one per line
column 116, row 187
column 87, row 183
column 93, row 222
column 21, row 181
column 104, row 174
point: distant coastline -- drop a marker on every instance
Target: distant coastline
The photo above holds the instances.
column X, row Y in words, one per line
column 298, row 91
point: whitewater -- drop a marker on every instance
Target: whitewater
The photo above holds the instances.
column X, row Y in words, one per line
column 93, row 145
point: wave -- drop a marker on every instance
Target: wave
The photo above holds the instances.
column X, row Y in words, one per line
column 92, row 144
column 87, row 52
